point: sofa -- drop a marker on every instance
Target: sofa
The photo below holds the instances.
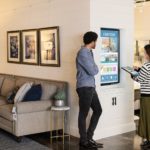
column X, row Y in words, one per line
column 25, row 118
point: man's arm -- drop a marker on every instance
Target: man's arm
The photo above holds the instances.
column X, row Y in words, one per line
column 87, row 62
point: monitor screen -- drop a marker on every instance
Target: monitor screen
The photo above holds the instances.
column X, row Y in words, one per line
column 110, row 56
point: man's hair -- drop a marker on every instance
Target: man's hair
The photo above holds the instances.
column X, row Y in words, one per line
column 147, row 49
column 89, row 37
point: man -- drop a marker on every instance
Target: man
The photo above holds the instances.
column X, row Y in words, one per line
column 88, row 98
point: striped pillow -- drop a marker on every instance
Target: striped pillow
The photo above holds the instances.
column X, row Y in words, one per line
column 22, row 91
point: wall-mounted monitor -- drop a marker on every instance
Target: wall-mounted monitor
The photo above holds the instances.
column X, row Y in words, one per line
column 110, row 56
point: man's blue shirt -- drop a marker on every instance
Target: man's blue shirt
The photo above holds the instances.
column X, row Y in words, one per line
column 86, row 68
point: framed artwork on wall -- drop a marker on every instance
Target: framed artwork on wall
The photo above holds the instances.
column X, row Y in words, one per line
column 139, row 52
column 49, row 46
column 30, row 52
column 13, row 47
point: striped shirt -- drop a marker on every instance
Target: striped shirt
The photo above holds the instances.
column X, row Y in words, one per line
column 144, row 78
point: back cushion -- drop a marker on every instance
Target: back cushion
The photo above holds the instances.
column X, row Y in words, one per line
column 7, row 86
column 21, row 80
column 22, row 91
column 48, row 90
column 1, row 82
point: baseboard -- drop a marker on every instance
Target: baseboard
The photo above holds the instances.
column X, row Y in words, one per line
column 107, row 132
column 74, row 131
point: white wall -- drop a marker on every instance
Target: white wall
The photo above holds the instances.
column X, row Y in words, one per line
column 73, row 19
column 142, row 22
column 115, row 14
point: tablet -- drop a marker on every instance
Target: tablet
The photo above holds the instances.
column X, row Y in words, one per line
column 131, row 71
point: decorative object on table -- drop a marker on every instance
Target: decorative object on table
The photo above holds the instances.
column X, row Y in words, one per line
column 13, row 47
column 60, row 98
column 30, row 47
column 49, row 46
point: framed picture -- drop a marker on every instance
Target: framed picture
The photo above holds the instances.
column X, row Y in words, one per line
column 110, row 56
column 139, row 52
column 30, row 46
column 49, row 46
column 13, row 47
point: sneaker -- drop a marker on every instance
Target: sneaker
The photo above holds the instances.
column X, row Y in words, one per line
column 98, row 145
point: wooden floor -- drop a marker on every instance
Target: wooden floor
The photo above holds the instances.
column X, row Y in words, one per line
column 127, row 141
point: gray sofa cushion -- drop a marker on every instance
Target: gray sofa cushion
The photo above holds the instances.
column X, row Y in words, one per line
column 48, row 90
column 33, row 106
column 1, row 81
column 22, row 80
column 3, row 100
column 6, row 111
column 8, row 86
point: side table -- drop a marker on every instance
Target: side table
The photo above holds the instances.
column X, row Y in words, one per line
column 61, row 110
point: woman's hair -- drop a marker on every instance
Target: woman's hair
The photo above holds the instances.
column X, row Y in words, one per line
column 89, row 37
column 147, row 49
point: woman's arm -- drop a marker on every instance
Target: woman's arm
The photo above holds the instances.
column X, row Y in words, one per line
column 142, row 74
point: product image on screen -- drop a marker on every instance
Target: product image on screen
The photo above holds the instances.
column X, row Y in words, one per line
column 109, row 56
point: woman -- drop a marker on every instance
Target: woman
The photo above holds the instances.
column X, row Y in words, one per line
column 144, row 79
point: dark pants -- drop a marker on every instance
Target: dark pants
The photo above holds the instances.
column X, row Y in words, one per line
column 88, row 98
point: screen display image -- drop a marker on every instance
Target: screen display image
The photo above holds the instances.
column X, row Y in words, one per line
column 109, row 55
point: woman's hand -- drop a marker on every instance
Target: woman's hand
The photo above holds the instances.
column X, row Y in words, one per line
column 136, row 68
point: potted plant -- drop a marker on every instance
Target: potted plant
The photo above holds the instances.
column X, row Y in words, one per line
column 60, row 98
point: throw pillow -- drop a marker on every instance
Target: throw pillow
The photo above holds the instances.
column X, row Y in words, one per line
column 22, row 91
column 11, row 95
column 34, row 94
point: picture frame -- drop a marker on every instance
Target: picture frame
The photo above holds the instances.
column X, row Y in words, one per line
column 13, row 47
column 139, row 51
column 110, row 56
column 49, row 46
column 30, row 52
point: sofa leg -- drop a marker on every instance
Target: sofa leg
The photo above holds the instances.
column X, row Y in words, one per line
column 18, row 139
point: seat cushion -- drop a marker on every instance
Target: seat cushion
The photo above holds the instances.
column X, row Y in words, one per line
column 7, row 86
column 3, row 100
column 6, row 111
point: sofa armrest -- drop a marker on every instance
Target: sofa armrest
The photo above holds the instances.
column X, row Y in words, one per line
column 33, row 106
